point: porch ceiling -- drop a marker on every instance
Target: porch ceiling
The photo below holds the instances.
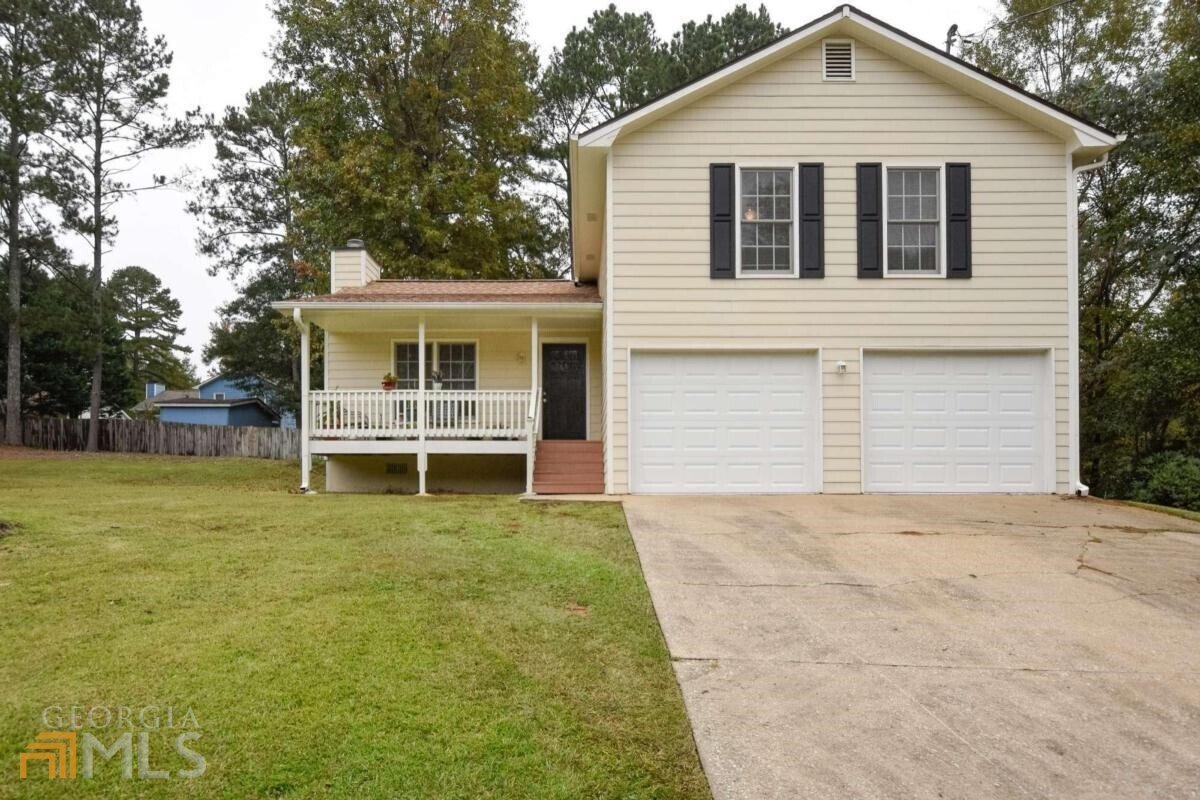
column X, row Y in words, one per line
column 577, row 317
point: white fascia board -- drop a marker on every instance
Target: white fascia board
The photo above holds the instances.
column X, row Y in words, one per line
column 1084, row 131
column 558, row 308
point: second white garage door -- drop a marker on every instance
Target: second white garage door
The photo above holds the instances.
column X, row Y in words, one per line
column 724, row 422
column 957, row 422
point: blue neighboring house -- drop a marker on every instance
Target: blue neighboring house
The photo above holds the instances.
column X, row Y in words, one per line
column 226, row 400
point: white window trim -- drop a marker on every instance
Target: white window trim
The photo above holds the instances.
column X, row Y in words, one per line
column 218, row 395
column 853, row 60
column 737, row 217
column 941, row 246
column 429, row 367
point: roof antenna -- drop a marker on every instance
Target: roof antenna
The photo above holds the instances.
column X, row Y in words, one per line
column 950, row 36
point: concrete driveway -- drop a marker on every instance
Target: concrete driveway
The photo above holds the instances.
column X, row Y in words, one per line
column 957, row 647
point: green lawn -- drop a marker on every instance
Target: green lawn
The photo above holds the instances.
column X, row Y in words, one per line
column 332, row 646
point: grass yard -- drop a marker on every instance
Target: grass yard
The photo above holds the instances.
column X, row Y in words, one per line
column 331, row 646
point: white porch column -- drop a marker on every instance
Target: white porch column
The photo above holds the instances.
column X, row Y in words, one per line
column 534, row 397
column 422, row 457
column 305, row 401
column 533, row 353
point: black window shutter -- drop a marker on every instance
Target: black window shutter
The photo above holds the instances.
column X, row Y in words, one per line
column 721, row 221
column 958, row 220
column 870, row 220
column 812, row 221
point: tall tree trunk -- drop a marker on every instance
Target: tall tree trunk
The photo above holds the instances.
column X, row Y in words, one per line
column 12, row 411
column 93, row 439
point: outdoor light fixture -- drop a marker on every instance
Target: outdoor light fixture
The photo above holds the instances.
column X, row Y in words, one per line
column 841, row 367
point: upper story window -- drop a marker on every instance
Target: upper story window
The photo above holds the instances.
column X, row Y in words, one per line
column 454, row 361
column 218, row 395
column 913, row 222
column 765, row 222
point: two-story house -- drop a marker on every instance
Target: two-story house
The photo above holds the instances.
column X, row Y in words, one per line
column 846, row 262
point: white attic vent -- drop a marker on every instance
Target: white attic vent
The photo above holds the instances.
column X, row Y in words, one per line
column 838, row 60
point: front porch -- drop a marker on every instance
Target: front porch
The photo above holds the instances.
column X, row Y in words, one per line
column 478, row 385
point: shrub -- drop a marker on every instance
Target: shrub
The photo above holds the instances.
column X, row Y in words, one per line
column 1169, row 479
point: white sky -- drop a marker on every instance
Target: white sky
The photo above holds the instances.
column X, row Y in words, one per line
column 220, row 46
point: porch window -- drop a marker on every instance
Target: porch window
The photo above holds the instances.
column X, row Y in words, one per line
column 455, row 361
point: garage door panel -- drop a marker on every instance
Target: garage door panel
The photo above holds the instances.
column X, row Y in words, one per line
column 743, row 422
column 956, row 422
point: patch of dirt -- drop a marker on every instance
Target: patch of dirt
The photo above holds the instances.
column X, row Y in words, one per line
column 578, row 610
column 7, row 527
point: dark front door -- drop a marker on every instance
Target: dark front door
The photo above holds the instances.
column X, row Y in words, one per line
column 564, row 383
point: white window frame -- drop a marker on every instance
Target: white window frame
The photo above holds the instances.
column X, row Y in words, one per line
column 853, row 60
column 218, row 395
column 429, row 365
column 737, row 232
column 941, row 205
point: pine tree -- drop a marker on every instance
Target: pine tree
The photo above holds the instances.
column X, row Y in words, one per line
column 114, row 94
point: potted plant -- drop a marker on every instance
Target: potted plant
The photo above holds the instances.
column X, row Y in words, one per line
column 389, row 381
column 435, row 378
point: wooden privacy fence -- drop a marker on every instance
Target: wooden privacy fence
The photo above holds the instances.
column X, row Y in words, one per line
column 162, row 438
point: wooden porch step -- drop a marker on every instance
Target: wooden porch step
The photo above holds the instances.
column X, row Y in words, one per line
column 569, row 446
column 568, row 488
column 569, row 467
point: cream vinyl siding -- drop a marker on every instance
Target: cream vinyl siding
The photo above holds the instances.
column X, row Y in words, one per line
column 785, row 114
column 346, row 269
column 359, row 360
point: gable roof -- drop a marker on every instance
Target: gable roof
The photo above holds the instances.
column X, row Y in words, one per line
column 846, row 20
column 247, row 377
column 586, row 174
column 164, row 396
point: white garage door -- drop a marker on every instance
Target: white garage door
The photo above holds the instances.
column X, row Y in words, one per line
column 957, row 422
column 724, row 422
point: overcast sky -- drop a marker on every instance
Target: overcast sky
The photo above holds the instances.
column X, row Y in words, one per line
column 220, row 47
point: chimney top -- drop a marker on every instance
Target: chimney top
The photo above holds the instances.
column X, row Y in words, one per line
column 355, row 244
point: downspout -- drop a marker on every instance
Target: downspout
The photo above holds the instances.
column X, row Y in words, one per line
column 1080, row 488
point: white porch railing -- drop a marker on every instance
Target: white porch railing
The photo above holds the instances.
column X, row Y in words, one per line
column 449, row 414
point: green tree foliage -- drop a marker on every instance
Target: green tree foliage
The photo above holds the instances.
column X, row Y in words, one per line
column 30, row 42
column 147, row 315
column 245, row 208
column 59, row 337
column 1127, row 65
column 247, row 228
column 114, row 92
column 618, row 62
column 701, row 47
column 414, row 133
column 251, row 338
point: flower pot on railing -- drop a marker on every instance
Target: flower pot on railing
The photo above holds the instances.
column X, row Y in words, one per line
column 389, row 382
